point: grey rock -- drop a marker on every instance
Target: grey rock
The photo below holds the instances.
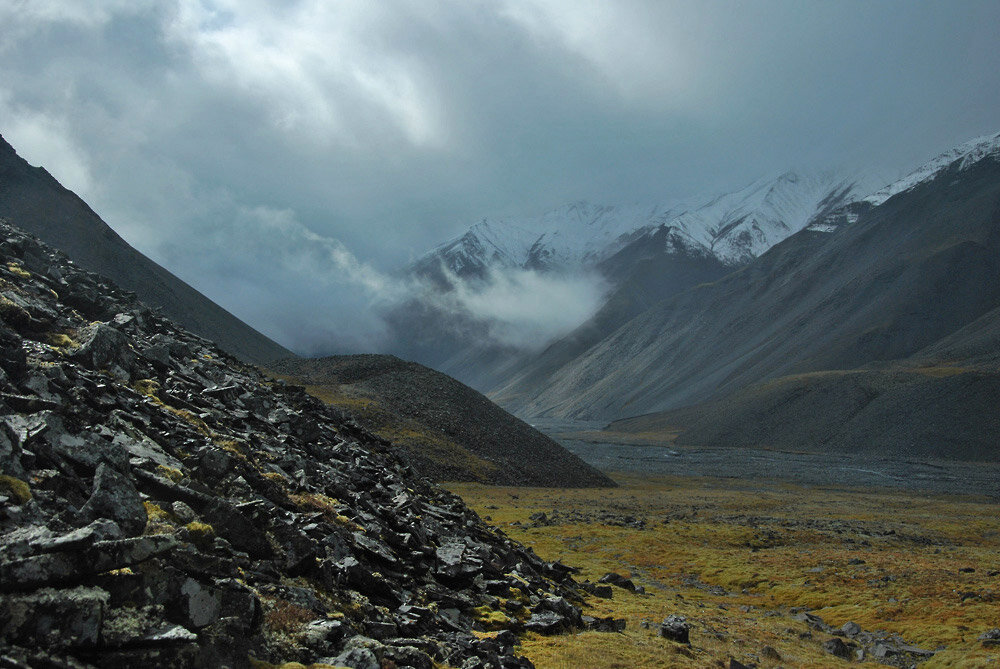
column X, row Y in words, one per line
column 204, row 604
column 618, row 580
column 546, row 622
column 320, row 635
column 851, row 629
column 676, row 628
column 105, row 347
column 770, row 653
column 184, row 513
column 609, row 624
column 115, row 497
column 53, row 618
column 838, row 648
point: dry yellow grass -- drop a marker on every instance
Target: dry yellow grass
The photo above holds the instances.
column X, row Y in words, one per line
column 735, row 556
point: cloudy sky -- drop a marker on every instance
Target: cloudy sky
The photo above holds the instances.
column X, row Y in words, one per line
column 284, row 156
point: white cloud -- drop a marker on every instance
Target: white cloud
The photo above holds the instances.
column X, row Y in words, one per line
column 523, row 309
column 637, row 53
column 325, row 70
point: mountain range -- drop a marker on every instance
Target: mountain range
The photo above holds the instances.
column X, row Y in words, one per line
column 800, row 312
column 874, row 327
column 638, row 254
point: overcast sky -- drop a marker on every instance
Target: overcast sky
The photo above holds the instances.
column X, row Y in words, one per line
column 282, row 156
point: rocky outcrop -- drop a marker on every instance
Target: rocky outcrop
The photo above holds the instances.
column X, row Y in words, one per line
column 162, row 504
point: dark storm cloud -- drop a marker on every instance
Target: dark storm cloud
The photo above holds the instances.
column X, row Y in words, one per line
column 286, row 157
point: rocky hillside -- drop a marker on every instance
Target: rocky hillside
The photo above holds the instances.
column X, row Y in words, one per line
column 162, row 504
column 449, row 431
column 41, row 206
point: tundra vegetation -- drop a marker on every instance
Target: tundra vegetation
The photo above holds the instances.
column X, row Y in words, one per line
column 768, row 574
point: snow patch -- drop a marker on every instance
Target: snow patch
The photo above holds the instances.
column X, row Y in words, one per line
column 965, row 155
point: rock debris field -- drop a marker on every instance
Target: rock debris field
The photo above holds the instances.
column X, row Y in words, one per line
column 162, row 504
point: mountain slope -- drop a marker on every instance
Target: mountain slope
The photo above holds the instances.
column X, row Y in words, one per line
column 868, row 282
column 40, row 205
column 449, row 431
column 164, row 505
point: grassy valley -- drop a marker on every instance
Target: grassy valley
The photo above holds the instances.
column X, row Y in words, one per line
column 743, row 561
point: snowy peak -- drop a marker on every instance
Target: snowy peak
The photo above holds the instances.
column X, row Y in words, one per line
column 962, row 157
column 734, row 227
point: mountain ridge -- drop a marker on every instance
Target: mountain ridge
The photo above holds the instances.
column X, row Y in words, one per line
column 41, row 205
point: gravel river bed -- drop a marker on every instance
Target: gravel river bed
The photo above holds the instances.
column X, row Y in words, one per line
column 821, row 469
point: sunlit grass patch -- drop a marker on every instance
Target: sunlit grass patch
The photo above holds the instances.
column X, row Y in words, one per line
column 736, row 557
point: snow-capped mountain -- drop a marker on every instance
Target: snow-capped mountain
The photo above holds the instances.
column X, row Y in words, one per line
column 962, row 156
column 734, row 227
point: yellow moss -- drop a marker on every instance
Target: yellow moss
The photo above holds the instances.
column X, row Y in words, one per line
column 147, row 387
column 155, row 513
column 171, row 473
column 233, row 446
column 196, row 422
column 328, row 506
column 201, row 533
column 17, row 270
column 60, row 340
column 260, row 664
column 16, row 488
column 491, row 619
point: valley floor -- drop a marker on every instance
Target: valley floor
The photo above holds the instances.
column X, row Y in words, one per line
column 634, row 454
column 745, row 562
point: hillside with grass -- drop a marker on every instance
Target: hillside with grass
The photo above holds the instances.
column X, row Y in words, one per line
column 447, row 430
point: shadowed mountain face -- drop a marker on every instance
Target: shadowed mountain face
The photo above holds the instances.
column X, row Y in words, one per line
column 917, row 272
column 32, row 198
column 448, row 430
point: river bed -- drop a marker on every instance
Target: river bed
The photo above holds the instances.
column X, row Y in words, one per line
column 821, row 469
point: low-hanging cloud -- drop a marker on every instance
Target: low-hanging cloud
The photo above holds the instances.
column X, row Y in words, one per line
column 521, row 308
column 268, row 265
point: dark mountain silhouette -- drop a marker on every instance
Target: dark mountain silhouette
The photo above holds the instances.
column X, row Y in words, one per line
column 32, row 198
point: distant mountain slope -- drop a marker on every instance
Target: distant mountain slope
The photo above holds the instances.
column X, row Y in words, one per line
column 649, row 269
column 918, row 411
column 940, row 402
column 32, row 198
column 643, row 253
column 448, row 430
column 871, row 281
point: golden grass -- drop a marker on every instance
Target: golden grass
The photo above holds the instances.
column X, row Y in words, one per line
column 734, row 556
